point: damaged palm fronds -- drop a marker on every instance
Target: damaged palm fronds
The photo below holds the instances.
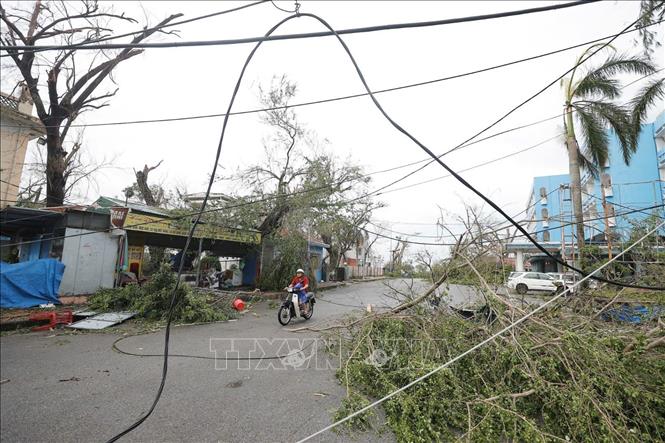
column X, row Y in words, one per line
column 565, row 374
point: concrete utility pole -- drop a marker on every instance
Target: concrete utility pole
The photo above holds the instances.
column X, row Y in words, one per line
column 608, row 234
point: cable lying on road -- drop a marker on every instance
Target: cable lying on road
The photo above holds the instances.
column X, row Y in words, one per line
column 205, row 357
column 394, row 124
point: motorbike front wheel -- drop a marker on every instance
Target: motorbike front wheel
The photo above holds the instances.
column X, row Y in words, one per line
column 284, row 315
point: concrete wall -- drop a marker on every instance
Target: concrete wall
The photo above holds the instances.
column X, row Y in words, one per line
column 13, row 145
column 18, row 127
column 636, row 185
column 89, row 261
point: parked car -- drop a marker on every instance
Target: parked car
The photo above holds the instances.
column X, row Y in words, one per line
column 522, row 282
column 570, row 278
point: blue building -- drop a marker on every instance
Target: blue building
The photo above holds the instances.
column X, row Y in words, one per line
column 625, row 188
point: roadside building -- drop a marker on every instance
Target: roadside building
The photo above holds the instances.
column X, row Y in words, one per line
column 17, row 128
column 77, row 236
column 146, row 226
column 611, row 203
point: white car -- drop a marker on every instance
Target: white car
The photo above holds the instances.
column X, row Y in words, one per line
column 522, row 282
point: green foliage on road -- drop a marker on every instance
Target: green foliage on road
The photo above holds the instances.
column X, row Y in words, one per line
column 541, row 384
column 152, row 300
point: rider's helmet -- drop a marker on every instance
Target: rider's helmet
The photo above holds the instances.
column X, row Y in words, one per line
column 300, row 271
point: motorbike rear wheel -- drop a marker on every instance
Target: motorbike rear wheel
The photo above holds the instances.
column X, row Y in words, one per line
column 284, row 315
column 310, row 312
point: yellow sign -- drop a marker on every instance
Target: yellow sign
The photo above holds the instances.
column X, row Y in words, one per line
column 159, row 225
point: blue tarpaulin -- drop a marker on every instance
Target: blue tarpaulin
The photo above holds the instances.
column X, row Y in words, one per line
column 32, row 283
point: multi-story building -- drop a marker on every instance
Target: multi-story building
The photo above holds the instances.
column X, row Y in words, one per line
column 620, row 195
column 17, row 128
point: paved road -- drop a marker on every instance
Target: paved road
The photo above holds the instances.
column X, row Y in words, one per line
column 73, row 387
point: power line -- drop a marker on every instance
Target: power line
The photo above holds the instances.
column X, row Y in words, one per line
column 481, row 344
column 496, row 230
column 227, row 207
column 157, row 28
column 366, row 29
column 364, row 94
column 459, row 178
column 470, row 140
column 521, row 151
column 455, row 174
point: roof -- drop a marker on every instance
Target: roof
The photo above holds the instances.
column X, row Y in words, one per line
column 14, row 217
column 108, row 202
column 318, row 243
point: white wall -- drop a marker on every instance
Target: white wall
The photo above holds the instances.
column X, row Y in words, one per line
column 89, row 261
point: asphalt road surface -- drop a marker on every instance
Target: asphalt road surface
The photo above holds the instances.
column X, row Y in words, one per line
column 70, row 386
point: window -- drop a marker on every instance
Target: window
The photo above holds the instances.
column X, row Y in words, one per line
column 546, row 236
column 545, row 276
column 543, row 195
column 532, row 275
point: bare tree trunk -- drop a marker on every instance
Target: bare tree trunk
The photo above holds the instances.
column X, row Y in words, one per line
column 142, row 183
column 576, row 190
column 56, row 165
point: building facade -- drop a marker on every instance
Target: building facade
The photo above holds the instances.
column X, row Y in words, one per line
column 17, row 128
column 620, row 195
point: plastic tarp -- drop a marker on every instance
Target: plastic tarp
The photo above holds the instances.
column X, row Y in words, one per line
column 32, row 283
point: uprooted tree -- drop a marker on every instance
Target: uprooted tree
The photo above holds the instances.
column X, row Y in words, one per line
column 74, row 78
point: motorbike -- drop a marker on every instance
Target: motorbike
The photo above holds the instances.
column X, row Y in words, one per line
column 291, row 306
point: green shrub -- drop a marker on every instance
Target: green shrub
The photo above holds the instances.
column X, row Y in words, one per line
column 152, row 300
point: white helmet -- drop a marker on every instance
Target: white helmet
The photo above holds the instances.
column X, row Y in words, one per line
column 300, row 271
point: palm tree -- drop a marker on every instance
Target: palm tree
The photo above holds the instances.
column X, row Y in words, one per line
column 591, row 107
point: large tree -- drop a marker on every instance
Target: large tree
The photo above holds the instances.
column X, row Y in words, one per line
column 298, row 188
column 73, row 77
column 591, row 107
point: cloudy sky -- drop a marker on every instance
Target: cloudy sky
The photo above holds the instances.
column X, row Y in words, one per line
column 164, row 83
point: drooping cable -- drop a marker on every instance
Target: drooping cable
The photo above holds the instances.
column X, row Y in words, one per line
column 460, row 178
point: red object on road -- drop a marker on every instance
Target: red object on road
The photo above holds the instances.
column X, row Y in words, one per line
column 238, row 304
column 54, row 318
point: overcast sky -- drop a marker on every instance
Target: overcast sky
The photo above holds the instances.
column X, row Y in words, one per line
column 165, row 83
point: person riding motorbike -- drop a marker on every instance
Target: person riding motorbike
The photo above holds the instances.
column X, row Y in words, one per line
column 301, row 279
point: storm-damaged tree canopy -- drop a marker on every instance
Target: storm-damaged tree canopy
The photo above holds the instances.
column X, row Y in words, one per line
column 299, row 187
column 66, row 83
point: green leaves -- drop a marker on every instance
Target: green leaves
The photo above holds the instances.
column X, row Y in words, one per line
column 645, row 98
column 593, row 99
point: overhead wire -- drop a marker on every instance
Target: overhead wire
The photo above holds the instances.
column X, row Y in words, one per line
column 488, row 340
column 365, row 29
column 167, row 25
column 364, row 94
column 513, row 109
column 496, row 122
column 515, row 236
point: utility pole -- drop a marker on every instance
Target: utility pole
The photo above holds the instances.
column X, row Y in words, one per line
column 608, row 234
column 561, row 222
